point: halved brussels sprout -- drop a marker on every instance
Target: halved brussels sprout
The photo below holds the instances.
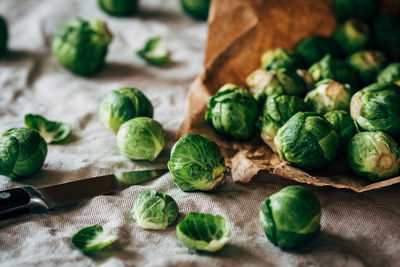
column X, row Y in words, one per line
column 374, row 155
column 352, row 36
column 197, row 9
column 387, row 34
column 363, row 9
column 22, row 152
column 81, row 45
column 92, row 239
column 51, row 131
column 367, row 64
column 232, row 111
column 196, row 163
column 154, row 210
column 377, row 108
column 119, row 7
column 141, row 138
column 280, row 58
column 291, row 217
column 390, row 74
column 329, row 95
column 307, row 140
column 154, row 51
column 343, row 124
column 201, row 231
column 3, row 35
column 121, row 105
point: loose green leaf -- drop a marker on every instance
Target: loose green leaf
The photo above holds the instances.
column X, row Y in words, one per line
column 154, row 51
column 93, row 238
column 51, row 131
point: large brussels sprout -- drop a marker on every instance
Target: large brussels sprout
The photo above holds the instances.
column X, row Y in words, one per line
column 154, row 51
column 154, row 210
column 51, row 131
column 387, row 34
column 367, row 64
column 343, row 124
column 280, row 58
column 311, row 49
column 197, row 9
column 329, row 95
column 232, row 112
column 22, row 152
column 201, row 231
column 93, row 238
column 119, row 7
column 390, row 74
column 307, row 140
column 121, row 105
column 291, row 217
column 374, row 155
column 141, row 138
column 377, row 108
column 363, row 9
column 352, row 36
column 81, row 45
column 3, row 35
column 278, row 110
column 196, row 163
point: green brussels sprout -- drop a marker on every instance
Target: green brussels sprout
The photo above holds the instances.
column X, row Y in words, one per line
column 313, row 48
column 335, row 69
column 121, row 105
column 3, row 35
column 232, row 112
column 154, row 210
column 81, row 45
column 363, row 9
column 329, row 95
column 390, row 74
column 22, row 152
column 119, row 7
column 374, row 155
column 307, row 140
column 377, row 108
column 51, row 131
column 387, row 35
column 352, row 36
column 196, row 164
column 92, row 239
column 141, row 138
column 205, row 232
column 197, row 9
column 343, row 124
column 154, row 51
column 367, row 64
column 280, row 58
column 277, row 111
column 291, row 217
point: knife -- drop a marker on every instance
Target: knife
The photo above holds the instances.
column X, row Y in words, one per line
column 28, row 199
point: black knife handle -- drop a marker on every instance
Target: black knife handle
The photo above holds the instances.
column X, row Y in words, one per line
column 13, row 200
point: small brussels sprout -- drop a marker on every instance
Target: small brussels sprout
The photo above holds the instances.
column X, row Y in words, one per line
column 119, row 7
column 343, row 124
column 352, row 36
column 377, row 108
column 313, row 48
column 92, row 239
column 197, row 9
column 367, row 64
column 387, row 34
column 232, row 112
column 363, row 9
column 121, row 105
column 329, row 95
column 291, row 217
column 374, row 155
column 280, row 58
column 22, row 152
column 307, row 140
column 154, row 51
column 3, row 35
column 196, row 164
column 81, row 45
column 205, row 232
column 390, row 74
column 141, row 138
column 277, row 111
column 335, row 69
column 154, row 210
column 51, row 131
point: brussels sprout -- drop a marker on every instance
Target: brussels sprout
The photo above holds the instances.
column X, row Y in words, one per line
column 335, row 69
column 363, row 9
column 197, row 9
column 22, row 152
column 291, row 217
column 154, row 210
column 352, row 36
column 387, row 35
column 367, row 64
column 154, row 51
column 201, row 231
column 3, row 35
column 390, row 74
column 81, row 45
column 277, row 111
column 196, row 163
column 374, row 155
column 377, row 108
column 119, row 7
column 51, row 131
column 92, row 239
column 311, row 49
column 280, row 58
column 343, row 124
column 121, row 105
column 307, row 140
column 232, row 111
column 329, row 95
column 141, row 138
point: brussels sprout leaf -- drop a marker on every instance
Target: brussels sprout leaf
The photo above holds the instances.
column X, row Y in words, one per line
column 92, row 238
column 51, row 131
column 154, row 51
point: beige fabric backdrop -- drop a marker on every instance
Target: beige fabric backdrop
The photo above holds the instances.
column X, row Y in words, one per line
column 357, row 229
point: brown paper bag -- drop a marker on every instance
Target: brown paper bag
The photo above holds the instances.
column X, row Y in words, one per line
column 239, row 32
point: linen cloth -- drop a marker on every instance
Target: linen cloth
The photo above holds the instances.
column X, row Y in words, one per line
column 356, row 229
